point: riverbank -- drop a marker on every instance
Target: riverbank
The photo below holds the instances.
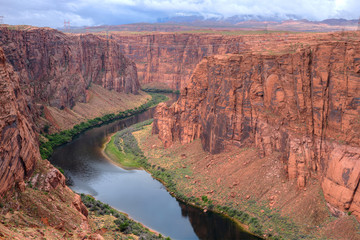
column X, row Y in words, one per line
column 125, row 144
column 45, row 208
column 49, row 141
column 238, row 183
column 122, row 149
column 115, row 222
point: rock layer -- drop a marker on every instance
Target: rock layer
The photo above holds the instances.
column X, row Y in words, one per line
column 304, row 105
column 168, row 60
column 56, row 69
column 19, row 148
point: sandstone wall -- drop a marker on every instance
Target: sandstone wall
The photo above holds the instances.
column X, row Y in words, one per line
column 19, row 149
column 168, row 59
column 56, row 69
column 305, row 105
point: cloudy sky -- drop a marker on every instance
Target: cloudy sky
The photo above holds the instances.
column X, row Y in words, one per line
column 98, row 12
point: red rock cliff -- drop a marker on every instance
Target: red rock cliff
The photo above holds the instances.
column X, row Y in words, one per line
column 56, row 69
column 19, row 149
column 169, row 59
column 45, row 66
column 305, row 105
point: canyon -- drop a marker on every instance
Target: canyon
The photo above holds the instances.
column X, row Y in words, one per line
column 287, row 96
column 302, row 106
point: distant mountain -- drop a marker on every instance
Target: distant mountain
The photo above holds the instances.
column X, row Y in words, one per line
column 250, row 17
column 232, row 20
column 239, row 22
column 340, row 22
column 286, row 22
column 181, row 19
column 198, row 20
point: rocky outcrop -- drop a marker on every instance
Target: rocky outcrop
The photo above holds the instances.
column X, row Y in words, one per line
column 56, row 69
column 168, row 60
column 19, row 149
column 304, row 105
column 48, row 178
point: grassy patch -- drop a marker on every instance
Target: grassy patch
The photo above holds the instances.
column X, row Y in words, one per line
column 49, row 141
column 115, row 152
column 125, row 142
column 123, row 147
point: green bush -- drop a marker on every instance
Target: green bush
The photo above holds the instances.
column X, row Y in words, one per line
column 122, row 225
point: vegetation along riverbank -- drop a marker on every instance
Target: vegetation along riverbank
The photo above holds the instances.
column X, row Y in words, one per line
column 49, row 141
column 117, row 224
column 124, row 149
column 192, row 176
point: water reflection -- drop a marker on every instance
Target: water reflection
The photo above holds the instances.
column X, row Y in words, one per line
column 212, row 226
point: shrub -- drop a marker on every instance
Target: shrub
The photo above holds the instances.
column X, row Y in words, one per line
column 46, row 128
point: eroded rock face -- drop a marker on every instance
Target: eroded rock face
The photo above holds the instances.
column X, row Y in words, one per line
column 169, row 59
column 79, row 205
column 56, row 69
column 304, row 105
column 19, row 149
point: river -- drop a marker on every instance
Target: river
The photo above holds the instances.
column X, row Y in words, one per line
column 135, row 192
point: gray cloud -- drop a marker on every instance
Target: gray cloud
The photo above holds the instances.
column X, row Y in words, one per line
column 94, row 12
